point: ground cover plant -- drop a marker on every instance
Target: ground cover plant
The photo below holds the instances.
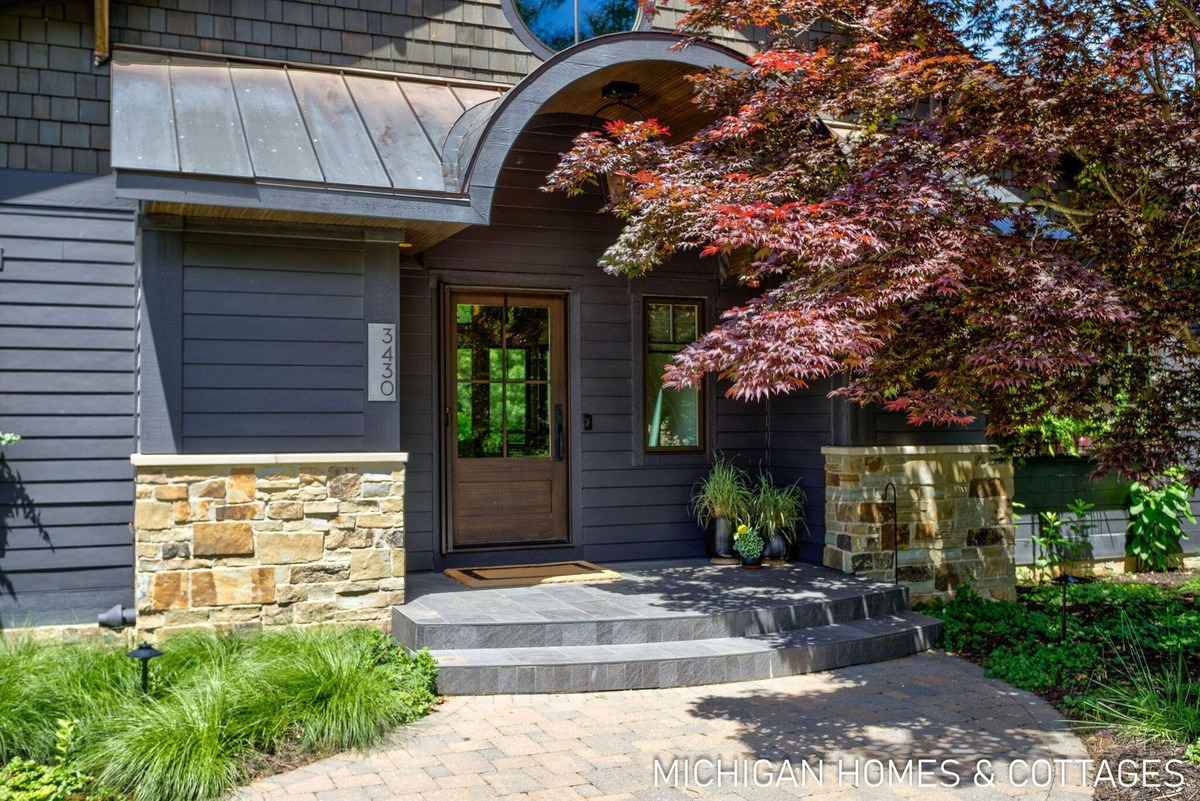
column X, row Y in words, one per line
column 1131, row 660
column 219, row 707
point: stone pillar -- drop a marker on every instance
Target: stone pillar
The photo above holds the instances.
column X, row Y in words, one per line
column 954, row 521
column 250, row 541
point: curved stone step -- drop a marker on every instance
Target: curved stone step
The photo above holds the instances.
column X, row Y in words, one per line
column 679, row 663
column 431, row 623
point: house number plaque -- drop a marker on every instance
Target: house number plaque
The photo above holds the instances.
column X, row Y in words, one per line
column 381, row 362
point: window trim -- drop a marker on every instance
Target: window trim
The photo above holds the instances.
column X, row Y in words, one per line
column 701, row 390
column 539, row 48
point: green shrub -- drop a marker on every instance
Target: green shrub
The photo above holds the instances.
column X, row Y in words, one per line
column 8, row 439
column 1156, row 516
column 1063, row 666
column 217, row 704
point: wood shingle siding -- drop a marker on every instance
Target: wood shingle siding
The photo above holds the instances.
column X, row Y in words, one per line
column 67, row 384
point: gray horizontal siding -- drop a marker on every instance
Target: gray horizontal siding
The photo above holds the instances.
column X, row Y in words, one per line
column 67, row 295
column 273, row 347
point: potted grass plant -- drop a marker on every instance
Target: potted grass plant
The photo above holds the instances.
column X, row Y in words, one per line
column 777, row 512
column 720, row 498
column 750, row 546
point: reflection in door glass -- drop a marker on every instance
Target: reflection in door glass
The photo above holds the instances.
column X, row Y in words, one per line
column 503, row 371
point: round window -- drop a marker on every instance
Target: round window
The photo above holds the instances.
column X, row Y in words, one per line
column 548, row 26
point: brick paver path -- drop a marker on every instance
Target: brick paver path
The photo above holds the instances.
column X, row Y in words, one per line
column 603, row 746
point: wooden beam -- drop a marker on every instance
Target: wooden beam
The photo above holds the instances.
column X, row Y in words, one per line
column 103, row 46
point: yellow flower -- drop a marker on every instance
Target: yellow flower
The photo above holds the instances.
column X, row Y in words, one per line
column 742, row 530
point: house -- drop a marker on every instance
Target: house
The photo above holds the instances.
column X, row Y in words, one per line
column 278, row 285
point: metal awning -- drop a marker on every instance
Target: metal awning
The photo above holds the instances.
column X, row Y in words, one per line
column 280, row 124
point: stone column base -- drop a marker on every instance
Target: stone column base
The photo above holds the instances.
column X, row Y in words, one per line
column 952, row 526
column 252, row 541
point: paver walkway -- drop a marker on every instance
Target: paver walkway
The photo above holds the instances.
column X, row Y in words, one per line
column 603, row 746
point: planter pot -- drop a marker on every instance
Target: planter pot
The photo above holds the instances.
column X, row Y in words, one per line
column 723, row 538
column 754, row 564
column 776, row 547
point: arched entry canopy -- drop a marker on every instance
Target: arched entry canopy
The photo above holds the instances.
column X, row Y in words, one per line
column 572, row 82
column 241, row 137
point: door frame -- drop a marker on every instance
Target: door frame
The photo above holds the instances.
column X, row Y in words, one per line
column 447, row 441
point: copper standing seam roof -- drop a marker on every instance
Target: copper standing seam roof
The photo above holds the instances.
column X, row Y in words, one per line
column 227, row 118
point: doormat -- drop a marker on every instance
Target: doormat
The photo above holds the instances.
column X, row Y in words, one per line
column 533, row 575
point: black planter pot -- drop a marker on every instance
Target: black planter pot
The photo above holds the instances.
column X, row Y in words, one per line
column 723, row 538
column 776, row 547
column 752, row 564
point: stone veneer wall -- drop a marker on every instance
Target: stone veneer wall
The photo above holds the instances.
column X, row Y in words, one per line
column 257, row 541
column 955, row 517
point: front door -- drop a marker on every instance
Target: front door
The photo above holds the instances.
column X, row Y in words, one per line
column 505, row 419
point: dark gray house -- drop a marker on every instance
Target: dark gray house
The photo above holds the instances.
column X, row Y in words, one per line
column 285, row 317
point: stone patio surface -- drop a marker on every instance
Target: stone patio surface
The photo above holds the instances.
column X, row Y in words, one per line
column 604, row 745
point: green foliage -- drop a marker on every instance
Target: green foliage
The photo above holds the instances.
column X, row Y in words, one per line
column 1059, row 540
column 721, row 494
column 748, row 543
column 1045, row 667
column 8, row 439
column 777, row 510
column 27, row 780
column 1156, row 516
column 1055, row 436
column 1152, row 703
column 1192, row 753
column 1132, row 660
column 217, row 704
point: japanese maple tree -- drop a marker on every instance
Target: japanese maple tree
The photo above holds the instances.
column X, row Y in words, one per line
column 962, row 208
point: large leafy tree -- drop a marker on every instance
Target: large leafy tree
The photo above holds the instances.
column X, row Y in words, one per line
column 964, row 207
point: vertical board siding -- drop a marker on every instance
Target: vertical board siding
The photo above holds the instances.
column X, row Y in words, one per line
column 67, row 384
column 272, row 346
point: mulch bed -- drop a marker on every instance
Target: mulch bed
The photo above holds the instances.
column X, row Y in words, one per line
column 1174, row 579
column 1108, row 745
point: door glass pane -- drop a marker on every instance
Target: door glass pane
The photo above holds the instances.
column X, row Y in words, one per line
column 685, row 324
column 480, row 353
column 527, row 416
column 480, row 419
column 528, row 343
column 658, row 322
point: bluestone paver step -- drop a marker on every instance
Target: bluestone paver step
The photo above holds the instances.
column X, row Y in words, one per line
column 680, row 602
column 679, row 663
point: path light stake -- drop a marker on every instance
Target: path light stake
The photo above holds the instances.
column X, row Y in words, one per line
column 895, row 531
column 144, row 653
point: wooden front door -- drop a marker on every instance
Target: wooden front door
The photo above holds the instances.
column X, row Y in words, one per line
column 505, row 419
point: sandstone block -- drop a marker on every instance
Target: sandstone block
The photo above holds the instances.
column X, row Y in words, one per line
column 222, row 539
column 168, row 590
column 240, row 487
column 314, row 612
column 391, row 505
column 374, row 490
column 233, row 586
column 171, row 492
column 153, row 516
column 373, row 563
column 313, row 574
column 241, row 511
column 379, row 521
column 348, row 538
column 287, row 548
column 286, row 510
column 213, row 488
column 321, row 508
column 345, row 486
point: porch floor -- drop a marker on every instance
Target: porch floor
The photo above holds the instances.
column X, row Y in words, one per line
column 648, row 589
column 664, row 624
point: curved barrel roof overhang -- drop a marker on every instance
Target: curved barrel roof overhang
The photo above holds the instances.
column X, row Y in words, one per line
column 225, row 136
column 479, row 143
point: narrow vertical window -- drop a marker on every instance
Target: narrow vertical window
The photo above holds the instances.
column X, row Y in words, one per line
column 674, row 418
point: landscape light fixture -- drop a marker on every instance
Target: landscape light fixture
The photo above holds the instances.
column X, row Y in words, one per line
column 144, row 653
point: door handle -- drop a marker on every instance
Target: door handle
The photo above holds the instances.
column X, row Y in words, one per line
column 558, row 432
